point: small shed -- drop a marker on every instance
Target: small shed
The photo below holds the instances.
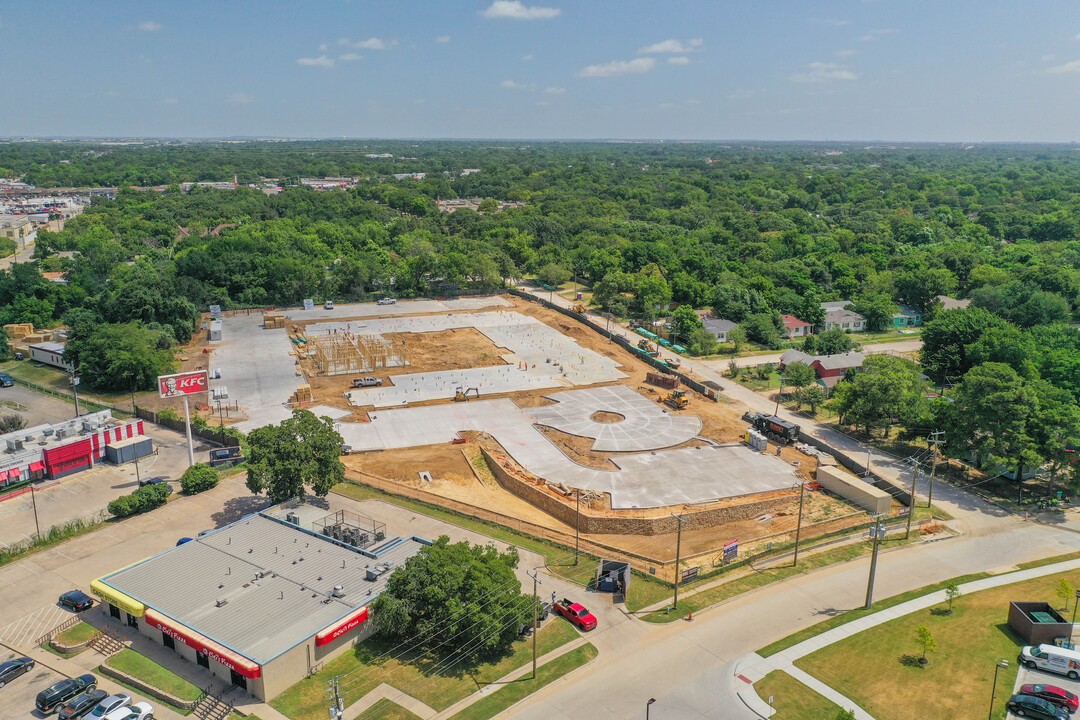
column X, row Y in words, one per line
column 215, row 330
column 126, row 450
column 1037, row 622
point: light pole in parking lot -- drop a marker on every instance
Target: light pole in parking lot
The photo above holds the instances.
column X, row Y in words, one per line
column 37, row 528
column 647, row 706
column 1001, row 665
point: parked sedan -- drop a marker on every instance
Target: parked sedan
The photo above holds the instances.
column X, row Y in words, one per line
column 1052, row 693
column 110, row 705
column 1031, row 706
column 138, row 711
column 81, row 705
column 76, row 600
column 14, row 668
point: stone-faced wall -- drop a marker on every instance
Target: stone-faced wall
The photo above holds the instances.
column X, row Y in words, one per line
column 533, row 490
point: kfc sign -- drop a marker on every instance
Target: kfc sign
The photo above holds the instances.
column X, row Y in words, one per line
column 182, row 384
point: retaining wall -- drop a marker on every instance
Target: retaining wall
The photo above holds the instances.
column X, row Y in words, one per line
column 620, row 522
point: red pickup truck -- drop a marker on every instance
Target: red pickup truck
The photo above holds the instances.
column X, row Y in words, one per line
column 575, row 613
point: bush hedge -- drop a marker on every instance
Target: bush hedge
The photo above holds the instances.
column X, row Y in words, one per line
column 144, row 499
column 198, row 478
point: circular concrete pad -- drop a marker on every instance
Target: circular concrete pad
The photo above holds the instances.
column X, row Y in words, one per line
column 645, row 426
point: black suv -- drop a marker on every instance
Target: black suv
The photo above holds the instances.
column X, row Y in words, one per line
column 82, row 705
column 14, row 668
column 51, row 699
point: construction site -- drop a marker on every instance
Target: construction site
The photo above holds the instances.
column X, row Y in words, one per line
column 502, row 409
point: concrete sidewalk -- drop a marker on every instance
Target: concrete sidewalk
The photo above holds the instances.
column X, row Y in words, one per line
column 751, row 668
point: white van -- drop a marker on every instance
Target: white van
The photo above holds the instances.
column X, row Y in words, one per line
column 1052, row 659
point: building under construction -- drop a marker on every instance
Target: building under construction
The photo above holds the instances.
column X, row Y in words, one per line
column 344, row 353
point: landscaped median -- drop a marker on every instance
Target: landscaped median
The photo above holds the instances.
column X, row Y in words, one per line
column 72, row 641
column 437, row 682
column 891, row 683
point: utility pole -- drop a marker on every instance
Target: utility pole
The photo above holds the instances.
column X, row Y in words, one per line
column 798, row 526
column 37, row 528
column 678, row 559
column 911, row 503
column 877, row 530
column 536, row 620
column 338, row 707
column 780, row 392
column 935, row 439
column 577, row 526
column 75, row 389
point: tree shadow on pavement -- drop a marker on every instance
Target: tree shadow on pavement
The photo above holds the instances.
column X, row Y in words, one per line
column 238, row 507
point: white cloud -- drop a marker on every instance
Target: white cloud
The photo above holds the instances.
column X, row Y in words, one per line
column 838, row 23
column 526, row 57
column 1076, row 37
column 678, row 60
column 671, row 46
column 515, row 10
column 350, row 57
column 619, row 67
column 1069, row 67
column 112, row 93
column 885, row 31
column 324, row 48
column 846, row 53
column 369, row 44
column 443, row 39
column 693, row 102
column 322, row 61
column 823, row 72
column 867, row 38
column 556, row 91
column 149, row 26
column 1047, row 58
column 170, row 101
column 240, row 99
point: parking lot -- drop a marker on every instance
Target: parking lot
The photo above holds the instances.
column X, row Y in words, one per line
column 1037, row 677
column 18, row 696
column 86, row 494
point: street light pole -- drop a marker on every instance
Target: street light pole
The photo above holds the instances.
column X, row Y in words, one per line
column 678, row 559
column 1002, row 665
column 647, row 706
column 798, row 526
column 536, row 620
column 37, row 528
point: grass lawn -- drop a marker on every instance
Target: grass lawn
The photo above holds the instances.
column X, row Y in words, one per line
column 136, row 665
column 408, row 673
column 523, row 687
column 957, row 681
column 78, row 633
column 793, row 700
column 758, row 578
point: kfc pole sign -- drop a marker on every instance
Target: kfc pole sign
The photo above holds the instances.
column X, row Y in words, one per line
column 181, row 384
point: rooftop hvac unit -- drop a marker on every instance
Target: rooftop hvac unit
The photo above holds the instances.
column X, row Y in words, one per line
column 372, row 574
column 292, row 518
column 379, row 535
column 328, row 531
column 339, row 591
column 47, row 432
column 14, row 444
column 61, row 433
column 89, row 426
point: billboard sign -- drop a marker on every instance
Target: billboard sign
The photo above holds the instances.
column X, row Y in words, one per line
column 309, row 304
column 181, row 384
column 731, row 551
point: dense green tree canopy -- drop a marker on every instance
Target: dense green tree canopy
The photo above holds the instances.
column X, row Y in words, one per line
column 303, row 451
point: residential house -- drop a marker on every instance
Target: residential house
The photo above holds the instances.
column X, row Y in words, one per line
column 794, row 327
column 719, row 327
column 842, row 319
column 830, row 369
column 908, row 317
column 948, row 303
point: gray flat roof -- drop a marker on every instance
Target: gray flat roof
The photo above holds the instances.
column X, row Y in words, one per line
column 277, row 581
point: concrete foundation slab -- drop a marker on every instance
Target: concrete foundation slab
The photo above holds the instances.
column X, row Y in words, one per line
column 402, row 307
column 643, row 480
column 539, row 357
column 258, row 369
column 646, row 425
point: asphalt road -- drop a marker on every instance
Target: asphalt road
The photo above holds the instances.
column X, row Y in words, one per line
column 900, row 346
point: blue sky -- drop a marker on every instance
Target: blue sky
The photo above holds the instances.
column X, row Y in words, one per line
column 945, row 70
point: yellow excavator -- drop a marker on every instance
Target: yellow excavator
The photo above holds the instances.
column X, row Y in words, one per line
column 647, row 347
column 580, row 309
column 677, row 399
column 463, row 394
